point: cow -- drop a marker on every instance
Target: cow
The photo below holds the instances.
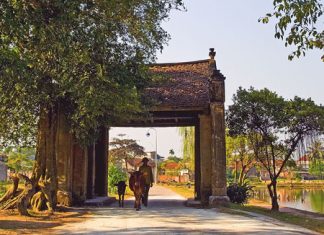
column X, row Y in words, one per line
column 137, row 185
column 121, row 187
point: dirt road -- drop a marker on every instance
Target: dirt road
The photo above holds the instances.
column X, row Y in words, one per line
column 166, row 214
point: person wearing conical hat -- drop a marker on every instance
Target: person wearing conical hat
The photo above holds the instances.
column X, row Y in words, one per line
column 149, row 180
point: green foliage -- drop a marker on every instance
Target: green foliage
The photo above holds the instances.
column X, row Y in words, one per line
column 316, row 158
column 188, row 146
column 3, row 188
column 316, row 168
column 239, row 194
column 174, row 159
column 21, row 160
column 299, row 23
column 239, row 154
column 115, row 175
column 230, row 176
column 86, row 56
column 298, row 176
column 315, row 151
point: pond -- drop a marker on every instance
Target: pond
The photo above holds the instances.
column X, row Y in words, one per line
column 303, row 199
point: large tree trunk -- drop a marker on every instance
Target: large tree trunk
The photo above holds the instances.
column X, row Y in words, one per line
column 272, row 187
column 44, row 173
column 44, row 177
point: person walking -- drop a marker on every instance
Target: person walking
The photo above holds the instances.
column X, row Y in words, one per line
column 149, row 180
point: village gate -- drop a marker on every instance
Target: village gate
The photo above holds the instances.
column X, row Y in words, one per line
column 193, row 94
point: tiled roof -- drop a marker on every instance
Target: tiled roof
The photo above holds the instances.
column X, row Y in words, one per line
column 182, row 84
column 172, row 165
column 303, row 158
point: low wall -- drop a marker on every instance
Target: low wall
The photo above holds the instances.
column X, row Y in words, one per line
column 178, row 179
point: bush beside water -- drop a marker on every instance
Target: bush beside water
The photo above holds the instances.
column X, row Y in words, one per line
column 239, row 193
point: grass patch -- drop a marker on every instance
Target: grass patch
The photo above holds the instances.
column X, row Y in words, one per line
column 306, row 222
column 181, row 190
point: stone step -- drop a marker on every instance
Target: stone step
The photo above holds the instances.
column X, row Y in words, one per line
column 193, row 203
column 99, row 201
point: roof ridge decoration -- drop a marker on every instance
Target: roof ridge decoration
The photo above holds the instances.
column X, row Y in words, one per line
column 216, row 80
column 214, row 72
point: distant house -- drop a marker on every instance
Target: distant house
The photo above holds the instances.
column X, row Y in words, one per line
column 3, row 168
column 303, row 162
column 174, row 173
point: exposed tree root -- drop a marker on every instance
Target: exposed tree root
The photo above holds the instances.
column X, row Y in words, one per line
column 38, row 202
column 12, row 191
column 23, row 199
column 64, row 198
column 34, row 196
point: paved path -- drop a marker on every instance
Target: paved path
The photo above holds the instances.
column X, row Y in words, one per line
column 166, row 214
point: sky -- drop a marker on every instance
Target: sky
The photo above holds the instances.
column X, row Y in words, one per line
column 246, row 53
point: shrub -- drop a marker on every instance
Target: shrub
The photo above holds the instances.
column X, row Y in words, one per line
column 239, row 194
column 115, row 175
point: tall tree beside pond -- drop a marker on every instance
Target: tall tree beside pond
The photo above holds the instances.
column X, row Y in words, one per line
column 298, row 23
column 81, row 60
column 274, row 126
column 188, row 146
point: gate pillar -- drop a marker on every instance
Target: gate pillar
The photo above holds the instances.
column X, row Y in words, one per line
column 218, row 159
column 101, row 164
column 205, row 158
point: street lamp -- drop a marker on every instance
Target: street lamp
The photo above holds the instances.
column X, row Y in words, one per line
column 155, row 157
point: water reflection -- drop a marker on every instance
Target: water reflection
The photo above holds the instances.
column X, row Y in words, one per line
column 303, row 199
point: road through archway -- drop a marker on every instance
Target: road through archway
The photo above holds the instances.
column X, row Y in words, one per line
column 166, row 214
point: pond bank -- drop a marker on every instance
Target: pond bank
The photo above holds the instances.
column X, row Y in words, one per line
column 312, row 221
column 294, row 211
column 293, row 184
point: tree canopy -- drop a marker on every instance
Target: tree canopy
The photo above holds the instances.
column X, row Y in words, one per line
column 298, row 23
column 88, row 56
column 20, row 159
column 239, row 153
column 124, row 149
column 78, row 62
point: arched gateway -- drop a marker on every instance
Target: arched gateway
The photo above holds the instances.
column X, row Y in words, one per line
column 192, row 95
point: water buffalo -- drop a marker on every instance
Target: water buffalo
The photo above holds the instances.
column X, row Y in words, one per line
column 137, row 185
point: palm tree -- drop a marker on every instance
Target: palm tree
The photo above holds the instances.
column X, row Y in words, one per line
column 316, row 151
